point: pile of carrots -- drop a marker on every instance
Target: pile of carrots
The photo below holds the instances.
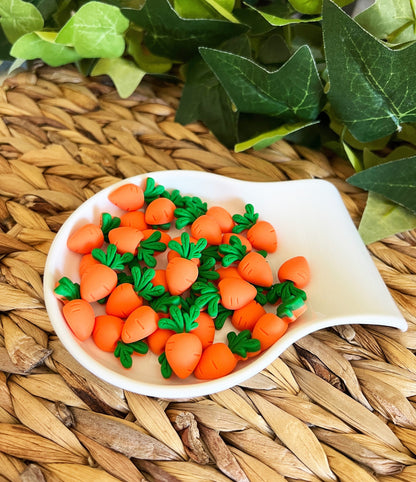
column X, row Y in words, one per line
column 170, row 296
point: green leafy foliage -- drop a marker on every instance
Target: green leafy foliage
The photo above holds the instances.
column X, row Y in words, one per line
column 253, row 72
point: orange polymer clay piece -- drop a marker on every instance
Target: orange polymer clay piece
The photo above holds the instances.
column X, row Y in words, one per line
column 217, row 360
column 141, row 323
column 181, row 273
column 246, row 317
column 97, row 283
column 268, row 329
column 160, row 211
column 263, row 236
column 207, row 227
column 79, row 315
column 107, row 332
column 128, row 197
column 223, row 217
column 183, row 352
column 205, row 330
column 134, row 219
column 123, row 300
column 255, row 269
column 236, row 293
column 85, row 239
column 126, row 239
column 157, row 340
column 86, row 262
column 244, row 241
column 297, row 270
column 228, row 272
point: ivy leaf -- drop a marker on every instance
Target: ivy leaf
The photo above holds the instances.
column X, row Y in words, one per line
column 205, row 8
column 281, row 13
column 95, row 31
column 395, row 180
column 169, row 35
column 125, row 74
column 18, row 18
column 360, row 70
column 397, row 27
column 204, row 98
column 293, row 93
column 383, row 218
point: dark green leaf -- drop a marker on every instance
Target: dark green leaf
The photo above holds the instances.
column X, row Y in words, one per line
column 165, row 368
column 169, row 35
column 292, row 93
column 371, row 86
column 395, row 180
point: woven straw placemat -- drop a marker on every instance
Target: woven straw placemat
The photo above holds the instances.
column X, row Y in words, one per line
column 338, row 405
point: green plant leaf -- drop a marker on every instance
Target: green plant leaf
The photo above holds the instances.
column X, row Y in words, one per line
column 95, row 30
column 370, row 159
column 205, row 9
column 125, row 74
column 293, row 93
column 395, row 180
column 383, row 218
column 360, row 70
column 397, row 27
column 280, row 13
column 18, row 18
column 310, row 7
column 5, row 47
column 204, row 98
column 267, row 138
column 169, row 35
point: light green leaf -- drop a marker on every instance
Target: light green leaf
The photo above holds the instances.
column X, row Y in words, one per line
column 395, row 180
column 153, row 64
column 95, row 30
column 169, row 35
column 390, row 20
column 39, row 45
column 204, row 8
column 279, row 14
column 383, row 218
column 267, row 138
column 370, row 159
column 311, row 7
column 293, row 93
column 124, row 73
column 371, row 86
column 352, row 156
column 18, row 17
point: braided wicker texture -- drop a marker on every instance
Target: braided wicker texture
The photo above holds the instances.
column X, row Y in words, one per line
column 339, row 405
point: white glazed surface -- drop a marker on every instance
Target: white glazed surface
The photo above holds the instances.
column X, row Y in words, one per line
column 310, row 219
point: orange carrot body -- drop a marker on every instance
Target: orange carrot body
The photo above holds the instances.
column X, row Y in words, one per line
column 183, row 352
column 159, row 279
column 223, row 217
column 79, row 315
column 97, row 283
column 205, row 330
column 181, row 273
column 245, row 318
column 217, row 360
column 85, row 239
column 157, row 340
column 244, row 241
column 268, row 329
column 165, row 237
column 126, row 239
column 295, row 269
column 141, row 323
column 122, row 301
column 107, row 332
column 134, row 219
column 255, row 269
column 86, row 262
column 263, row 236
column 207, row 227
column 159, row 211
column 236, row 293
column 228, row 272
column 128, row 197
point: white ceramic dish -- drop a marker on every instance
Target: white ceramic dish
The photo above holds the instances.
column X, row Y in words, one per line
column 311, row 220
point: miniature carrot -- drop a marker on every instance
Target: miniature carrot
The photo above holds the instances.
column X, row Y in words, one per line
column 128, row 197
column 86, row 262
column 268, row 329
column 183, row 349
column 126, row 239
column 85, row 239
column 157, row 340
column 252, row 266
column 160, row 212
column 261, row 234
column 291, row 299
column 141, row 323
column 78, row 313
column 149, row 246
column 207, row 227
column 244, row 241
column 174, row 254
column 124, row 351
column 246, row 317
column 223, row 218
column 182, row 272
column 219, row 359
column 107, row 332
column 228, row 272
column 123, row 300
column 205, row 330
column 134, row 219
column 295, row 269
